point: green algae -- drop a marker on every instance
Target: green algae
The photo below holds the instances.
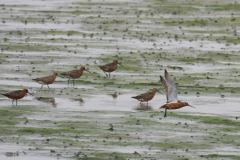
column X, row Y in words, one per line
column 209, row 120
column 8, row 122
column 208, row 32
column 69, row 33
column 221, row 156
column 10, row 113
column 180, row 145
column 224, row 7
column 192, row 60
column 48, row 131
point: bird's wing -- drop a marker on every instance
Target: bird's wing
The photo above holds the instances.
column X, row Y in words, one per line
column 108, row 66
column 13, row 94
column 164, row 84
column 143, row 96
column 44, row 79
column 172, row 88
column 70, row 73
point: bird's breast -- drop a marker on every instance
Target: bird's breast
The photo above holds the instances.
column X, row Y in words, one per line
column 22, row 94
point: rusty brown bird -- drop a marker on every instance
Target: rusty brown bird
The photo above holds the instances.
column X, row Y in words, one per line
column 46, row 80
column 110, row 67
column 74, row 74
column 171, row 91
column 15, row 95
column 145, row 97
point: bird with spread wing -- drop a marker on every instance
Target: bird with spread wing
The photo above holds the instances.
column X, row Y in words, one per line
column 171, row 91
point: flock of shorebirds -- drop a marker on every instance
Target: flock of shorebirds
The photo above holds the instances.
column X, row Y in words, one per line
column 168, row 84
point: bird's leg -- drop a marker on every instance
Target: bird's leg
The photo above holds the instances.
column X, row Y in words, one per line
column 68, row 82
column 165, row 115
column 147, row 103
column 109, row 75
column 12, row 101
column 48, row 87
column 16, row 102
column 73, row 83
column 41, row 88
column 106, row 74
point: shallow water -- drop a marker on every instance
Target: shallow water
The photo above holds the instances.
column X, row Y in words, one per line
column 214, row 105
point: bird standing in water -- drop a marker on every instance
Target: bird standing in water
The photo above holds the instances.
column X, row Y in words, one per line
column 15, row 95
column 110, row 67
column 74, row 74
column 171, row 91
column 46, row 80
column 145, row 97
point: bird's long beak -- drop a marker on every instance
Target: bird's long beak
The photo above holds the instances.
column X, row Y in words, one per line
column 31, row 94
column 191, row 106
column 88, row 71
column 120, row 64
column 159, row 91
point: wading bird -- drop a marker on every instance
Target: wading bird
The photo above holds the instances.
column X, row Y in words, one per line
column 74, row 74
column 145, row 97
column 46, row 80
column 110, row 67
column 15, row 95
column 171, row 91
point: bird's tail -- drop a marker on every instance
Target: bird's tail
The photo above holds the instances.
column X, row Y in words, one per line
column 5, row 95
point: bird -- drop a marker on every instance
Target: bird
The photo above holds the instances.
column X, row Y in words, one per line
column 110, row 67
column 171, row 91
column 46, row 80
column 145, row 97
column 74, row 74
column 15, row 95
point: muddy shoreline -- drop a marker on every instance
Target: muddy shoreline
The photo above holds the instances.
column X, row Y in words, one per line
column 196, row 41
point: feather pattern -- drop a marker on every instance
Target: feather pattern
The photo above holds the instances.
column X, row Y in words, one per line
column 109, row 67
column 46, row 80
column 13, row 94
column 18, row 94
column 170, row 88
column 72, row 74
column 164, row 86
column 145, row 97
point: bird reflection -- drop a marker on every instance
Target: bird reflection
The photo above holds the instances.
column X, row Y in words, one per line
column 47, row 100
column 114, row 95
column 80, row 100
column 9, row 154
column 143, row 107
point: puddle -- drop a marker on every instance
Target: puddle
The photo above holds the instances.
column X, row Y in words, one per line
column 203, row 104
column 9, row 151
column 35, row 84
